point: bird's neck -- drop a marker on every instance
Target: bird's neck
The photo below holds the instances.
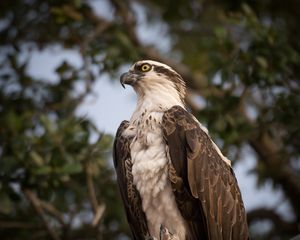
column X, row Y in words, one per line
column 156, row 100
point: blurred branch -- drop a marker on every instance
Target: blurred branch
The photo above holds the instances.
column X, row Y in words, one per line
column 269, row 154
column 279, row 224
column 124, row 11
column 97, row 209
column 101, row 25
column 52, row 211
column 98, row 215
column 16, row 224
column 39, row 210
column 91, row 188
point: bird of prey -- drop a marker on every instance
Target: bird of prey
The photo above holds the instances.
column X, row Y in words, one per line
column 173, row 179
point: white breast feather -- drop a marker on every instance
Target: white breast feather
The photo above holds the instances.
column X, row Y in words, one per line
column 150, row 175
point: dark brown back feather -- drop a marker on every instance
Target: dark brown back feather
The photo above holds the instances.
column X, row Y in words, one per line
column 130, row 196
column 205, row 187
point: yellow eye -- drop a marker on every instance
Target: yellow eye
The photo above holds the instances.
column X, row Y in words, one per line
column 145, row 67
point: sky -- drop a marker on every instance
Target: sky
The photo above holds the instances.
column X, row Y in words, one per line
column 111, row 104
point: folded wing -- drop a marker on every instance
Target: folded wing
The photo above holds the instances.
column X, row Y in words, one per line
column 204, row 185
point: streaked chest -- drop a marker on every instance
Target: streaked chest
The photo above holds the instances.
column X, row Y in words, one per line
column 148, row 155
column 150, row 175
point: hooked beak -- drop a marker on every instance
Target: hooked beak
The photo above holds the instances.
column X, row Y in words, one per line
column 127, row 78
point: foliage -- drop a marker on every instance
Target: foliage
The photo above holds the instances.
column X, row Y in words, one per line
column 240, row 57
column 55, row 178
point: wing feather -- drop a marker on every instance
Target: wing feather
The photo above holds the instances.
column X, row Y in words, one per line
column 130, row 196
column 209, row 186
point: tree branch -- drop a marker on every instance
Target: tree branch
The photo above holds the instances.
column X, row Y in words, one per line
column 124, row 11
column 16, row 224
column 270, row 155
column 101, row 25
column 39, row 210
column 280, row 225
column 97, row 209
column 53, row 211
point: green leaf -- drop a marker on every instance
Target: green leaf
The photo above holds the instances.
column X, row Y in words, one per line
column 220, row 32
column 70, row 168
column 43, row 170
column 247, row 9
column 5, row 203
column 37, row 158
column 262, row 62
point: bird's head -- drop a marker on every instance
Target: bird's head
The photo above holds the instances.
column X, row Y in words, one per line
column 154, row 78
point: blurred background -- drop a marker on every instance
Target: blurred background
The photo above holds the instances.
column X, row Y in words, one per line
column 61, row 103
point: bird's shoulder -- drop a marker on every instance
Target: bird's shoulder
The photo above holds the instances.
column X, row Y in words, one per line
column 178, row 115
column 121, row 144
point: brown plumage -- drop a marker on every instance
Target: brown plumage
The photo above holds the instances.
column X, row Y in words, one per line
column 202, row 188
column 208, row 196
column 205, row 187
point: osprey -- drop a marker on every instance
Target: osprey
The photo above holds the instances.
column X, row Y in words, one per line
column 174, row 181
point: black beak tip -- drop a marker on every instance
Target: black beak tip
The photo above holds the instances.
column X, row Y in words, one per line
column 122, row 80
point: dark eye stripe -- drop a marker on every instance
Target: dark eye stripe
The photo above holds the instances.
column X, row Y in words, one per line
column 170, row 74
